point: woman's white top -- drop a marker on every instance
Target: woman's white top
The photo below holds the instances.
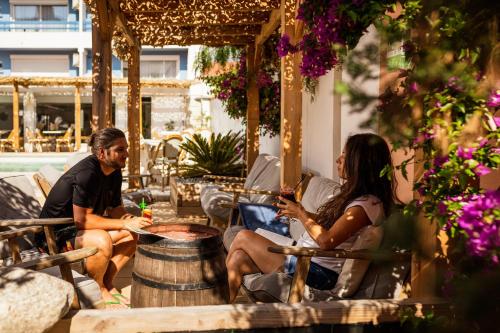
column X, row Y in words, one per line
column 373, row 208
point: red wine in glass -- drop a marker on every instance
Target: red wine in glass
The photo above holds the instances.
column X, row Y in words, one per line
column 288, row 194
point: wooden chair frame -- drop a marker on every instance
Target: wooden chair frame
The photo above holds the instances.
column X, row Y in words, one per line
column 43, row 184
column 62, row 260
column 304, row 255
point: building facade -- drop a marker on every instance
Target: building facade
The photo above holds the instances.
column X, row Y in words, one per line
column 53, row 39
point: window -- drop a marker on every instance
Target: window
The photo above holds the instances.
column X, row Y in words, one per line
column 40, row 13
column 159, row 67
column 40, row 65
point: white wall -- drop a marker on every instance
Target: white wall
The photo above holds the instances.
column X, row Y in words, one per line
column 328, row 121
column 220, row 121
column 317, row 128
column 351, row 120
column 269, row 145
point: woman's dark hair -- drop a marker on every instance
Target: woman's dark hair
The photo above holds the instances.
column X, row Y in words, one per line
column 365, row 157
column 104, row 138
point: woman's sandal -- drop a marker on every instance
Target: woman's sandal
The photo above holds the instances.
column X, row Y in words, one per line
column 119, row 297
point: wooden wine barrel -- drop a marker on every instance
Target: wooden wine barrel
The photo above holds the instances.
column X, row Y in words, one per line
column 188, row 268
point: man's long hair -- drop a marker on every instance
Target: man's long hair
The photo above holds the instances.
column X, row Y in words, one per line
column 365, row 157
column 104, row 138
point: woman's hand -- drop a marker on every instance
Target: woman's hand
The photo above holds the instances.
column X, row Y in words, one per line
column 290, row 209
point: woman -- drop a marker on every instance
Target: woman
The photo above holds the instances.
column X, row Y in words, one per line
column 364, row 199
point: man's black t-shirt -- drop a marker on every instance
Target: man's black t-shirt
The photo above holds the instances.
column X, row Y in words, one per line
column 84, row 185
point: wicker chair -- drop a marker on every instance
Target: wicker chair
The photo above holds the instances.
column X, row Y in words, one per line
column 7, row 142
column 65, row 140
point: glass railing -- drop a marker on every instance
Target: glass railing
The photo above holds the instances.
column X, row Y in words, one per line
column 87, row 25
column 34, row 26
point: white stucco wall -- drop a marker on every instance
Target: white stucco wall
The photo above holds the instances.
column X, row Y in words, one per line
column 326, row 126
column 317, row 129
column 220, row 121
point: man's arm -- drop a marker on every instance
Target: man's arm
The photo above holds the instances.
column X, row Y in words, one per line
column 119, row 213
column 85, row 219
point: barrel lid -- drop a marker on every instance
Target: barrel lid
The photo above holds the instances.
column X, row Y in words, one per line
column 182, row 235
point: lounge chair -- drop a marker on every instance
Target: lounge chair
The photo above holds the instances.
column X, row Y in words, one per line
column 19, row 220
column 218, row 201
column 372, row 270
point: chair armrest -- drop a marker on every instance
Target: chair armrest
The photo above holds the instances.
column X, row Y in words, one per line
column 136, row 176
column 58, row 259
column 34, row 222
column 357, row 254
column 227, row 205
column 225, row 178
column 248, row 191
column 19, row 232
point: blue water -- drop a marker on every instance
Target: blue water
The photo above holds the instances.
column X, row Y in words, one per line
column 29, row 164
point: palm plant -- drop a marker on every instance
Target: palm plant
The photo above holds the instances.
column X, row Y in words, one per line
column 220, row 155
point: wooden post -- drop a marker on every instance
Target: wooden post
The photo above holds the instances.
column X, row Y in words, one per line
column 133, row 110
column 101, row 67
column 291, row 102
column 78, row 123
column 15, row 116
column 252, row 144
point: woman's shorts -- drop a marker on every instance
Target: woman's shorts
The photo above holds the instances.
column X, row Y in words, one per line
column 318, row 277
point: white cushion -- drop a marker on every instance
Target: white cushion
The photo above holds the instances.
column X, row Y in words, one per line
column 318, row 191
column 50, row 173
column 267, row 180
column 259, row 165
column 354, row 270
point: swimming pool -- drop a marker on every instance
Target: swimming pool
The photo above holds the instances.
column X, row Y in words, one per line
column 30, row 164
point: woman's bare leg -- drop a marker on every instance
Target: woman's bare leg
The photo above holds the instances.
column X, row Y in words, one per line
column 238, row 265
column 248, row 254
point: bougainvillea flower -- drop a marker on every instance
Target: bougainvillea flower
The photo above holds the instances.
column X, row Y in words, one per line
column 494, row 101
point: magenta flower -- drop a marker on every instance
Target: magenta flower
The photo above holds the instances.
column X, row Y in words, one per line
column 465, row 153
column 414, row 88
column 481, row 170
column 479, row 218
column 284, row 46
column 494, row 102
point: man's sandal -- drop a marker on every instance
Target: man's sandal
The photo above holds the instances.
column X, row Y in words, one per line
column 119, row 297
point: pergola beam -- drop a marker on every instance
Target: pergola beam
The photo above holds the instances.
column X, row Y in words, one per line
column 208, row 30
column 121, row 22
column 157, row 40
column 190, row 17
column 133, row 111
column 253, row 109
column 138, row 6
column 291, row 103
column 86, row 81
column 268, row 28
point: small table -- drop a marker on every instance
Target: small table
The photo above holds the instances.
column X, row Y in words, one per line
column 54, row 133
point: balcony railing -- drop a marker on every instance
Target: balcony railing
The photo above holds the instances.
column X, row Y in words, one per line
column 34, row 26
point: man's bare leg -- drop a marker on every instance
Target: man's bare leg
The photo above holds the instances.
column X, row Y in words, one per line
column 97, row 264
column 124, row 244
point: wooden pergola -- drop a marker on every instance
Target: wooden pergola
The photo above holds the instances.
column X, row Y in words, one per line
column 77, row 83
column 132, row 24
column 129, row 25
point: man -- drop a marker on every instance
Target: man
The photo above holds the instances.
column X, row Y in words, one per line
column 90, row 193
